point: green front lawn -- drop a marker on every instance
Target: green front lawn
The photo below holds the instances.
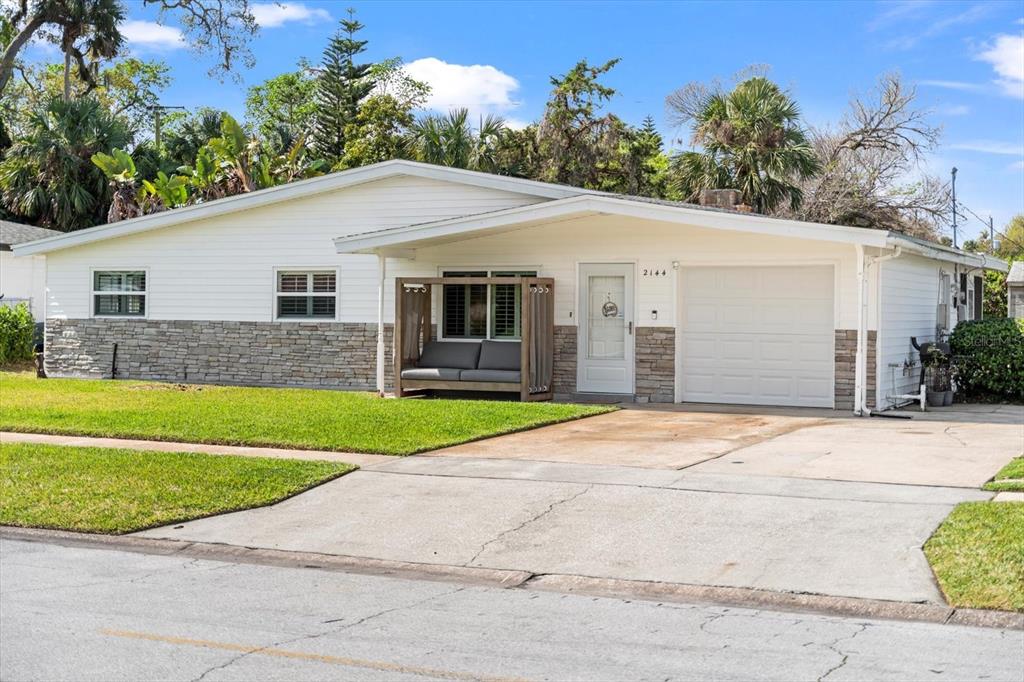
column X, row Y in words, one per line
column 284, row 417
column 1010, row 477
column 978, row 555
column 104, row 490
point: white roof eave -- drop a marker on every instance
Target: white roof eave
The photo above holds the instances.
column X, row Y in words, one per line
column 559, row 209
column 946, row 253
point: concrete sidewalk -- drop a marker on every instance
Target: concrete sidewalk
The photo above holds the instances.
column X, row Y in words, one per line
column 171, row 446
column 794, row 535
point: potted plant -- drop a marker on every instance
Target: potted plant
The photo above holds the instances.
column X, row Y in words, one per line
column 936, row 378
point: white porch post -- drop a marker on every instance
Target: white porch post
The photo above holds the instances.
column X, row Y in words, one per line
column 381, row 276
column 860, row 365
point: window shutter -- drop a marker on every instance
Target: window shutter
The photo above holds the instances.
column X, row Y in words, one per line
column 979, row 288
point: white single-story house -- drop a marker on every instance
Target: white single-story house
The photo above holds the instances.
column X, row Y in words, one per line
column 23, row 280
column 655, row 300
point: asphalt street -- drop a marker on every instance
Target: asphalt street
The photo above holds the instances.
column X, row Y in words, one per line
column 97, row 614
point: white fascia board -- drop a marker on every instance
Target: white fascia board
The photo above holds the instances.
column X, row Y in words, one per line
column 483, row 222
column 296, row 190
column 948, row 254
column 596, row 204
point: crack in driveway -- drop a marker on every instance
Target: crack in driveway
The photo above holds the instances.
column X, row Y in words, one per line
column 527, row 522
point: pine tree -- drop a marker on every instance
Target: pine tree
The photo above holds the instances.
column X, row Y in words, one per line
column 340, row 88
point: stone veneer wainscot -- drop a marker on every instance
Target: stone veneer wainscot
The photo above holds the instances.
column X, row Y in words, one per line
column 314, row 354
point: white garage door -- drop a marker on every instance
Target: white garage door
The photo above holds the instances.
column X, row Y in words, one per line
column 757, row 335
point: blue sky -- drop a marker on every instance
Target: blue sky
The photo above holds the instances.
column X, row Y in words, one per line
column 967, row 59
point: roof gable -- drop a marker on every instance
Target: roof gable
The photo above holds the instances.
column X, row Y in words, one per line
column 297, row 190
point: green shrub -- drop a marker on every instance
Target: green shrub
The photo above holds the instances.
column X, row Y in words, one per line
column 17, row 327
column 988, row 358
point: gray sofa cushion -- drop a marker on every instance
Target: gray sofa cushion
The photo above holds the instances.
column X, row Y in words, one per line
column 432, row 373
column 500, row 355
column 455, row 354
column 500, row 375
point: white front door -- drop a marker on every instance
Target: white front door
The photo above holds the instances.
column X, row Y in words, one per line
column 605, row 353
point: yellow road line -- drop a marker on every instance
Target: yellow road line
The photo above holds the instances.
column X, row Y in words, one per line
column 304, row 656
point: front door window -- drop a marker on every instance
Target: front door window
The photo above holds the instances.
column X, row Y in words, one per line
column 607, row 317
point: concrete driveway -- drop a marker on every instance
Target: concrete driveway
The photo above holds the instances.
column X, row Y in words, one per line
column 798, row 503
column 960, row 446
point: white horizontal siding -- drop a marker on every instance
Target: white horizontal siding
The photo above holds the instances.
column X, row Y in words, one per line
column 222, row 268
column 556, row 249
column 23, row 278
column 908, row 301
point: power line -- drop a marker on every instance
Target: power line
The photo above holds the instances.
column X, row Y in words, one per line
column 987, row 224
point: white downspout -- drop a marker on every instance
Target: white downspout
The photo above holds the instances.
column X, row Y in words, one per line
column 381, row 277
column 860, row 384
column 859, row 364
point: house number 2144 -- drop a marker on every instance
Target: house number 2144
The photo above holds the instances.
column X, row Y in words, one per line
column 655, row 272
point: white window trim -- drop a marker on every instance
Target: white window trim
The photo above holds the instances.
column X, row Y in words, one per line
column 306, row 269
column 469, row 268
column 93, row 293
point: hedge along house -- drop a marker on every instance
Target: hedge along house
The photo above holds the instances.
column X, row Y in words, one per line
column 657, row 301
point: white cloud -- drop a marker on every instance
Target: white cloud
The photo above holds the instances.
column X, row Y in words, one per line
column 1017, row 166
column 898, row 12
column 938, row 27
column 1006, row 55
column 482, row 89
column 954, row 85
column 274, row 14
column 955, row 110
column 990, row 147
column 151, row 34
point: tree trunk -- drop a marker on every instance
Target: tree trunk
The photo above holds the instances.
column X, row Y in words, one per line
column 11, row 53
column 67, row 76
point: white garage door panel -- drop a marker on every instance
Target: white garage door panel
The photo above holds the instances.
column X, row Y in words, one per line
column 758, row 336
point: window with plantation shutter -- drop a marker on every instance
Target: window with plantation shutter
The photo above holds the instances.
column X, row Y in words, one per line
column 480, row 311
column 304, row 294
column 119, row 293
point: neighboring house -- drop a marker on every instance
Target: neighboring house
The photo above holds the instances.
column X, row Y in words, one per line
column 1015, row 290
column 23, row 278
column 287, row 286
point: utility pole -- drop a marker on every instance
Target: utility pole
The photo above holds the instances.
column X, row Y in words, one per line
column 954, row 207
column 991, row 236
column 158, row 110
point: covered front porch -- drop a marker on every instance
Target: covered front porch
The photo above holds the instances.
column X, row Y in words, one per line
column 426, row 361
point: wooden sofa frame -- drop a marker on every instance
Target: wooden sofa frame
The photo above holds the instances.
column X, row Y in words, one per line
column 537, row 311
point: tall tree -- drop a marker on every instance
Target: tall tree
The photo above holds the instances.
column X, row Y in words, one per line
column 750, row 139
column 284, row 101
column 220, row 27
column 639, row 166
column 575, row 136
column 872, row 173
column 47, row 178
column 451, row 141
column 380, row 132
column 128, row 88
column 82, row 29
column 187, row 134
column 341, row 86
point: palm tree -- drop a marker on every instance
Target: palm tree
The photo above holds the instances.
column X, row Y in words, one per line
column 187, row 136
column 48, row 178
column 450, row 141
column 95, row 21
column 750, row 140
